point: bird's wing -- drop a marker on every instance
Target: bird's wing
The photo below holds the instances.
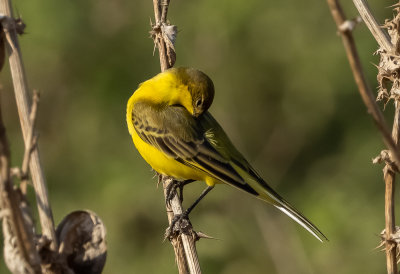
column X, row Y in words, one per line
column 201, row 143
column 179, row 135
column 220, row 141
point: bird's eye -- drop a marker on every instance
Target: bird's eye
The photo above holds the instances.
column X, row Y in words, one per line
column 199, row 102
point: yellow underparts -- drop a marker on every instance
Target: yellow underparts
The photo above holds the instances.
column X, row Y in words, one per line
column 169, row 166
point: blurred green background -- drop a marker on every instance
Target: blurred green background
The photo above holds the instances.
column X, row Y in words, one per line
column 284, row 93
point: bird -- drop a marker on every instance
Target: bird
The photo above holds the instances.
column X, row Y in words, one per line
column 171, row 127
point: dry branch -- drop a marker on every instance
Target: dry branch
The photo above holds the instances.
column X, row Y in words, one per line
column 21, row 255
column 31, row 143
column 359, row 76
column 387, row 67
column 81, row 235
column 389, row 176
column 23, row 104
column 184, row 243
column 381, row 37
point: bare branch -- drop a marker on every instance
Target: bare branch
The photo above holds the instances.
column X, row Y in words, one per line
column 185, row 241
column 22, row 98
column 380, row 36
column 391, row 262
column 389, row 176
column 364, row 89
column 23, row 256
column 184, row 244
column 31, row 142
column 157, row 15
column 391, row 141
column 164, row 10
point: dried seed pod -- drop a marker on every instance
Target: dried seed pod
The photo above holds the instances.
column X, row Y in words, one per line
column 81, row 239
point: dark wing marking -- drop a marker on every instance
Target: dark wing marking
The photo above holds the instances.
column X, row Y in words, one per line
column 179, row 135
column 225, row 147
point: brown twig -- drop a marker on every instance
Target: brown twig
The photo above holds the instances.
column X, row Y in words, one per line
column 380, row 36
column 184, row 244
column 31, row 143
column 23, row 255
column 364, row 89
column 373, row 109
column 387, row 65
column 158, row 38
column 22, row 99
column 389, row 176
column 164, row 10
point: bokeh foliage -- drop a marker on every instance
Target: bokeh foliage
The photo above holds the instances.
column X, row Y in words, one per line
column 284, row 93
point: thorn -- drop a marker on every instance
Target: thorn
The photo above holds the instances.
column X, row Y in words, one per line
column 201, row 235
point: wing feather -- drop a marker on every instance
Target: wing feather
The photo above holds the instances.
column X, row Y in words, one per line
column 181, row 136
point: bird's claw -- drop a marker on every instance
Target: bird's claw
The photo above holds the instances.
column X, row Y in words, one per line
column 171, row 190
column 180, row 224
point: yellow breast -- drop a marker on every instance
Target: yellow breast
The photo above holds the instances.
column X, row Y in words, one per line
column 164, row 164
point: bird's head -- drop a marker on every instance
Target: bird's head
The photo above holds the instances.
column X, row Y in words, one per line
column 198, row 86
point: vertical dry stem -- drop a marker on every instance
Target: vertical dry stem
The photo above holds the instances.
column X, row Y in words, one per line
column 373, row 109
column 160, row 42
column 20, row 231
column 391, row 263
column 23, row 104
column 380, row 36
column 31, row 144
column 389, row 176
column 184, row 245
column 364, row 89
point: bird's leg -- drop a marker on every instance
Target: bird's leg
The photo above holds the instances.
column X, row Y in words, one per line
column 184, row 216
column 173, row 186
column 202, row 195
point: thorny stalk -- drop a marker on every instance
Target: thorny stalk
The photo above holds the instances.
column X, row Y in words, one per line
column 184, row 246
column 389, row 83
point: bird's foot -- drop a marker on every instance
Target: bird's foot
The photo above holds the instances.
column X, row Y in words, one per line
column 180, row 224
column 171, row 190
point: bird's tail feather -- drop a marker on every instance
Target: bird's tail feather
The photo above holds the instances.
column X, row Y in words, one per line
column 289, row 210
column 267, row 194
